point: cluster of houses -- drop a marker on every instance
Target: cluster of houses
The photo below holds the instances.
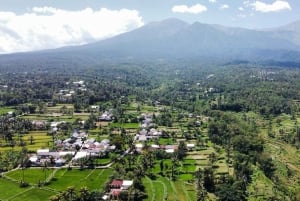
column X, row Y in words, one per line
column 145, row 135
column 148, row 132
column 78, row 146
column 107, row 116
column 52, row 158
column 146, row 121
column 73, row 143
column 116, row 187
column 67, row 94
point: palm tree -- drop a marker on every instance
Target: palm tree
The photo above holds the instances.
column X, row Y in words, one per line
column 71, row 193
column 174, row 164
column 84, row 194
column 44, row 169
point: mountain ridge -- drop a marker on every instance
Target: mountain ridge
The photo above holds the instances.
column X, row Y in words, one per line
column 173, row 39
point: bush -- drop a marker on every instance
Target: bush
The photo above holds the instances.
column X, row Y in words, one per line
column 23, row 184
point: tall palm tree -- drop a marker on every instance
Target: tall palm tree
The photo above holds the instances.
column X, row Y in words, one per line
column 84, row 194
column 71, row 193
column 44, row 169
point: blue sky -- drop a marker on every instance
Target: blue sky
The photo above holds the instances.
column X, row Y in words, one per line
column 41, row 24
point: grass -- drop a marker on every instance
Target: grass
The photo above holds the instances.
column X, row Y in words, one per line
column 63, row 178
column 93, row 179
column 40, row 140
column 189, row 165
column 186, row 177
column 166, row 141
column 151, row 190
column 5, row 110
column 9, row 189
column 97, row 179
column 102, row 160
column 163, row 188
column 124, row 125
column 32, row 176
column 34, row 194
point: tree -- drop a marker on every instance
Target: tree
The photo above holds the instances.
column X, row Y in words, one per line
column 267, row 165
column 161, row 165
column 31, row 139
column 209, row 179
column 71, row 193
column 201, row 191
column 182, row 149
column 44, row 169
column 174, row 160
column 231, row 191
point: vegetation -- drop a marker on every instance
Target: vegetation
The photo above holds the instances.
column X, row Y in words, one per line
column 227, row 132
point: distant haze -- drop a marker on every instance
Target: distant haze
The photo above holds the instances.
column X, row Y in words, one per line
column 174, row 39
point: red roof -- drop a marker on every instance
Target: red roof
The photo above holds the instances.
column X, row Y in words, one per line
column 115, row 192
column 116, row 183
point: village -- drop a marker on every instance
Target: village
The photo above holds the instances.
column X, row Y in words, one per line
column 80, row 150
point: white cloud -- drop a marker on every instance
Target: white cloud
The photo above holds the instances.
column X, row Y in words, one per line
column 225, row 6
column 241, row 9
column 276, row 6
column 212, row 1
column 242, row 15
column 195, row 9
column 48, row 27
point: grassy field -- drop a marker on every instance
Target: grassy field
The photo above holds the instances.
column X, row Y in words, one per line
column 124, row 125
column 40, row 140
column 32, row 176
column 59, row 180
column 163, row 188
column 93, row 179
column 9, row 189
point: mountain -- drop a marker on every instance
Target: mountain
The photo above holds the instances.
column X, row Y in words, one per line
column 290, row 32
column 173, row 39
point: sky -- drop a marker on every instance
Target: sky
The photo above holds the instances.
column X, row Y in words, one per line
column 29, row 25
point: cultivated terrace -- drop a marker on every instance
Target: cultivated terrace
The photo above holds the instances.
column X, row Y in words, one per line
column 150, row 132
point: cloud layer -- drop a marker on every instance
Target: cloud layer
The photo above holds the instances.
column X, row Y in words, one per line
column 48, row 27
column 195, row 9
column 276, row 6
column 224, row 6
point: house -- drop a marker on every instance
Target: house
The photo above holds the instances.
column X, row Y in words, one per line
column 105, row 197
column 79, row 83
column 39, row 125
column 139, row 147
column 10, row 113
column 190, row 146
column 95, row 108
column 142, row 138
column 126, row 184
column 34, row 160
column 106, row 116
column 155, row 146
column 60, row 162
column 115, row 193
column 118, row 185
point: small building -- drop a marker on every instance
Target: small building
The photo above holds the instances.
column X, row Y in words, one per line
column 190, row 146
column 116, row 184
column 126, row 184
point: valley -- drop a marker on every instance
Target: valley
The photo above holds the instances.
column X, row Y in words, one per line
column 150, row 132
